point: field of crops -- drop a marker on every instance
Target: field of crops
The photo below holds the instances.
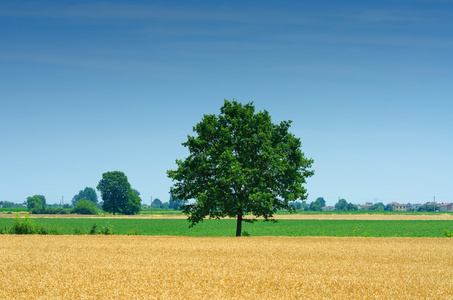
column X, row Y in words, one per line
column 128, row 267
column 227, row 227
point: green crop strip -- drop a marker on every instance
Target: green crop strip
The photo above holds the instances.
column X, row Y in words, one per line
column 179, row 227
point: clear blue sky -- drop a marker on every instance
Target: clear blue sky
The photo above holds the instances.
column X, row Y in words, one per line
column 88, row 87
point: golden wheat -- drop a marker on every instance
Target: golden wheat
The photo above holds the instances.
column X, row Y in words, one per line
column 140, row 267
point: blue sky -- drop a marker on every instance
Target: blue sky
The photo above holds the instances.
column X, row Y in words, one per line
column 90, row 87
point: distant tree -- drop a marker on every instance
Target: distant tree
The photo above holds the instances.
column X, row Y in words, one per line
column 84, row 207
column 7, row 204
column 300, row 205
column 34, row 202
column 87, row 194
column 240, row 164
column 378, row 206
column 174, row 203
column 321, row 201
column 343, row 205
column 157, row 204
column 388, row 207
column 304, row 205
column 426, row 207
column 117, row 194
column 43, row 200
column 315, row 206
column 352, row 207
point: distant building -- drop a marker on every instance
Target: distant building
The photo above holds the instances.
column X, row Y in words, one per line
column 328, row 208
column 412, row 207
column 365, row 206
column 446, row 207
column 398, row 206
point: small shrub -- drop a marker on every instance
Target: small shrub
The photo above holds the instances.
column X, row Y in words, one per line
column 49, row 211
column 245, row 233
column 133, row 232
column 93, row 229
column 107, row 230
column 55, row 231
column 84, row 207
column 43, row 230
column 448, row 233
column 78, row 231
column 23, row 225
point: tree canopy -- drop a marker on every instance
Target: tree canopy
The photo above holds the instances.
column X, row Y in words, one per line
column 240, row 164
column 117, row 194
column 36, row 202
column 343, row 205
column 87, row 194
column 84, row 207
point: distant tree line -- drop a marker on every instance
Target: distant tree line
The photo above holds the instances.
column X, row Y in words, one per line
column 117, row 195
column 341, row 205
column 7, row 204
column 319, row 203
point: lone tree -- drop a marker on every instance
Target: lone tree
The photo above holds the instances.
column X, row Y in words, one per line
column 240, row 164
column 117, row 194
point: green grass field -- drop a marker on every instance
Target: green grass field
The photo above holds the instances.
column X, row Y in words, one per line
column 227, row 227
column 13, row 209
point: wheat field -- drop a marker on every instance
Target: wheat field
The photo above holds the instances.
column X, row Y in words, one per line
column 143, row 267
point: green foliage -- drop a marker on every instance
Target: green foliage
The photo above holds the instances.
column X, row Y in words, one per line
column 388, row 207
column 117, row 194
column 321, row 201
column 133, row 204
column 426, row 207
column 317, row 205
column 79, row 231
column 49, row 211
column 23, row 225
column 298, row 205
column 15, row 209
column 133, row 232
column 448, row 233
column 245, row 233
column 240, row 163
column 87, row 194
column 34, row 202
column 342, row 205
column 157, row 204
column 7, row 204
column 93, row 229
column 378, row 206
column 107, row 229
column 84, row 207
column 26, row 225
column 174, row 203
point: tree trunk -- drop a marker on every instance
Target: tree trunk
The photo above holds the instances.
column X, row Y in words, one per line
column 239, row 226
